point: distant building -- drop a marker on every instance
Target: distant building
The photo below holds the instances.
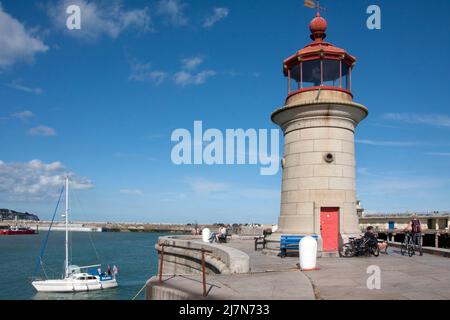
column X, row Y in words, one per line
column 432, row 221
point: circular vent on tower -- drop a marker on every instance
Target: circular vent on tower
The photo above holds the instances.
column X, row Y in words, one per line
column 329, row 157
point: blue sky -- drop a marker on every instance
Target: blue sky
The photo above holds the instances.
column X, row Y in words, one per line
column 102, row 103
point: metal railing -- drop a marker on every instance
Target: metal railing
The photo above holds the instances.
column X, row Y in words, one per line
column 203, row 260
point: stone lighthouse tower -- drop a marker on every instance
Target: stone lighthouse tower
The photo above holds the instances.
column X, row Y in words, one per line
column 319, row 119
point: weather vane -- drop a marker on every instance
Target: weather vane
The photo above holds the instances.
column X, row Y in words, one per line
column 315, row 4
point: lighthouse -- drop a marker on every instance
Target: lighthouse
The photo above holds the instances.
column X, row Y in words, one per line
column 319, row 119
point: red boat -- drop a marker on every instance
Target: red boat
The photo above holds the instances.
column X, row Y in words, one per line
column 16, row 231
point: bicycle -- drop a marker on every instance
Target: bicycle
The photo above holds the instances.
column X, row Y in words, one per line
column 359, row 247
column 408, row 245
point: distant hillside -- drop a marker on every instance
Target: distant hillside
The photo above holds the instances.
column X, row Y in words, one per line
column 6, row 214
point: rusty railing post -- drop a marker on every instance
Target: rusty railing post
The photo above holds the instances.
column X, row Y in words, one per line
column 204, row 273
column 161, row 263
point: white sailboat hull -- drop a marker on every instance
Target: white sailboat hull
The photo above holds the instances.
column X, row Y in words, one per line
column 73, row 285
column 75, row 280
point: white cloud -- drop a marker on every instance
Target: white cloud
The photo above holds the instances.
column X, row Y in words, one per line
column 187, row 77
column 439, row 120
column 157, row 76
column 191, row 63
column 174, row 11
column 18, row 86
column 100, row 18
column 184, row 78
column 42, row 131
column 141, row 72
column 36, row 180
column 217, row 15
column 23, row 115
column 16, row 42
column 388, row 143
column 135, row 192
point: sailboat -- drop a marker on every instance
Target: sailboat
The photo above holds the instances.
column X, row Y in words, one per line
column 74, row 279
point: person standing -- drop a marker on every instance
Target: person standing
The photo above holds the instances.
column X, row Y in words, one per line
column 416, row 232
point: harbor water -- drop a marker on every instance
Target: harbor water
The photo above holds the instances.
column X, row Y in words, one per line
column 133, row 253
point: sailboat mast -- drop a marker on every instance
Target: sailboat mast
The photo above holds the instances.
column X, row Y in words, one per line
column 66, row 266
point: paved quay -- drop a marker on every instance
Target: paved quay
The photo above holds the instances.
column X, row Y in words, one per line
column 259, row 286
column 402, row 278
column 270, row 277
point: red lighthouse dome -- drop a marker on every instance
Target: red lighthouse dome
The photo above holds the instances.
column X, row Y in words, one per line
column 318, row 27
column 319, row 65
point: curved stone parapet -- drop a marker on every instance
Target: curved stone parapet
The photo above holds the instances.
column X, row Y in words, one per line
column 182, row 255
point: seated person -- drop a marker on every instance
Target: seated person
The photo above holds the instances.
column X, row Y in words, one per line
column 373, row 240
column 222, row 234
column 213, row 237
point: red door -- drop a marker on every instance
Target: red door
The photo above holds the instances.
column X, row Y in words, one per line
column 329, row 226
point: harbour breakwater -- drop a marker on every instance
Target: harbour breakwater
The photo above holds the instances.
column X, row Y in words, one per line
column 109, row 226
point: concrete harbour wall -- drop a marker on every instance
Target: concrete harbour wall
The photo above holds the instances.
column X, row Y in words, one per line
column 183, row 256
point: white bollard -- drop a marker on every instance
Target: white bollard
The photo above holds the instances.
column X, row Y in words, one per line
column 206, row 233
column 308, row 253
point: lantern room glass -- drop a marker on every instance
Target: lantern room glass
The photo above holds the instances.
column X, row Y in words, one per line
column 294, row 78
column 311, row 73
column 345, row 77
column 318, row 73
column 331, row 73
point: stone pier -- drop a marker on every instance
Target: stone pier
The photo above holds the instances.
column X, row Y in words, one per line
column 262, row 277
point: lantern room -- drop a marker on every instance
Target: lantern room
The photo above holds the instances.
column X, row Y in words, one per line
column 319, row 65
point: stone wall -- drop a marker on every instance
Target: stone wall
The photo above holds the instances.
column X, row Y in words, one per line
column 182, row 255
